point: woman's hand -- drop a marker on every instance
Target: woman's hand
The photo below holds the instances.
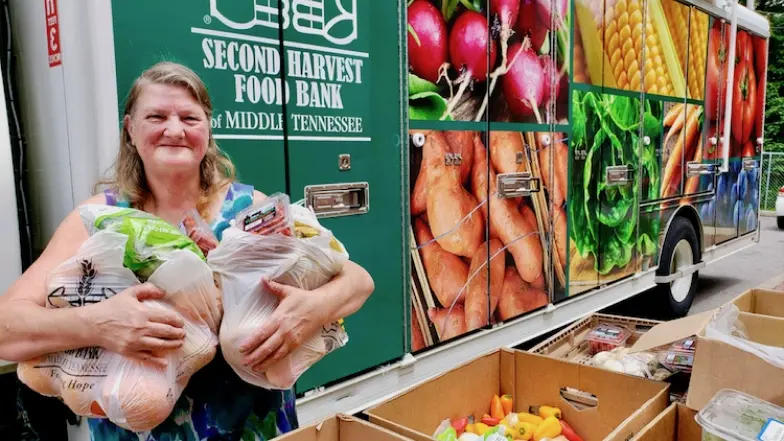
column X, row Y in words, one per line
column 128, row 327
column 299, row 315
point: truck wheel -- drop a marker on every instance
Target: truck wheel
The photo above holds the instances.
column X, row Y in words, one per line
column 680, row 250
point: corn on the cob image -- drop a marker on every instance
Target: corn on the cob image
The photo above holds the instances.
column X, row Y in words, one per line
column 698, row 52
column 677, row 15
column 614, row 50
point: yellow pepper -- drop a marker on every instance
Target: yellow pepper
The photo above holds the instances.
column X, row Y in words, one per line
column 547, row 411
column 529, row 418
column 524, row 431
column 481, row 428
column 471, row 428
column 550, row 428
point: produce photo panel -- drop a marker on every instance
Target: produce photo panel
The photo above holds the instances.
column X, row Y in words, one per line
column 519, row 263
column 649, row 241
column 707, row 212
column 665, row 59
column 728, row 203
column 531, row 82
column 623, row 43
column 716, row 74
column 744, row 97
column 698, row 53
column 448, row 60
column 589, row 54
column 694, row 151
column 651, row 150
column 556, row 186
column 449, row 249
column 672, row 154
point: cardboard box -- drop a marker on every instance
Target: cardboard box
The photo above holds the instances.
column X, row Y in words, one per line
column 342, row 428
column 761, row 301
column 718, row 365
column 624, row 404
column 677, row 423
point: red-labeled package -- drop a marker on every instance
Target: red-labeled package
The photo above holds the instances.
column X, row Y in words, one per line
column 269, row 217
column 606, row 337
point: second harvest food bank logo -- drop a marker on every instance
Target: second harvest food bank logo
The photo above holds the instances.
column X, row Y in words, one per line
column 334, row 20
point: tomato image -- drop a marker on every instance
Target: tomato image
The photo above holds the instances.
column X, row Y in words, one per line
column 711, row 151
column 760, row 55
column 761, row 61
column 744, row 49
column 748, row 150
column 717, row 71
column 744, row 101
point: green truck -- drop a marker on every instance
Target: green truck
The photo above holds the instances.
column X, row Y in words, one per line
column 501, row 168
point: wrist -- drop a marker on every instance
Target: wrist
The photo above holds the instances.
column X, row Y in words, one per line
column 86, row 327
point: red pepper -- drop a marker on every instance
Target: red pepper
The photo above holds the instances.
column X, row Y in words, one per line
column 490, row 421
column 459, row 424
column 568, row 432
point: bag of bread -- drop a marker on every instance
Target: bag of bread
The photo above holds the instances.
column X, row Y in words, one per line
column 97, row 383
column 309, row 258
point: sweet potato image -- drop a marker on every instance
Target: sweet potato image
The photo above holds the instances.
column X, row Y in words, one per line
column 504, row 150
column 479, row 183
column 458, row 228
column 446, row 272
column 518, row 297
column 561, row 239
column 476, row 311
column 419, row 195
column 462, row 143
column 510, row 226
column 452, row 324
column 555, row 183
column 417, row 340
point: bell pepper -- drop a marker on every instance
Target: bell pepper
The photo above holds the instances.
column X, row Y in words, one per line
column 524, row 431
column 550, row 428
column 568, row 432
column 496, row 408
column 459, row 424
column 547, row 411
column 481, row 428
column 471, row 428
column 491, row 421
column 530, row 418
column 507, row 404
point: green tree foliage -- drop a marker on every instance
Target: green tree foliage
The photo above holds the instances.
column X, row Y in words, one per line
column 774, row 100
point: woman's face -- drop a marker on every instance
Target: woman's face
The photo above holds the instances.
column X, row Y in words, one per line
column 169, row 129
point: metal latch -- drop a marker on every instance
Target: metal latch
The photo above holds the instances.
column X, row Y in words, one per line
column 513, row 185
column 618, row 175
column 333, row 200
column 749, row 164
column 695, row 168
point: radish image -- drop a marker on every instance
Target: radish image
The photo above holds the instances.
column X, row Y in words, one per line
column 468, row 43
column 528, row 23
column 427, row 40
column 524, row 81
column 505, row 13
column 551, row 19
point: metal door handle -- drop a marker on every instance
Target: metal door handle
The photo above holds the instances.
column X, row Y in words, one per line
column 618, row 175
column 694, row 168
column 334, row 200
column 513, row 185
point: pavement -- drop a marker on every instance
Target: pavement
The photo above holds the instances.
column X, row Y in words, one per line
column 759, row 266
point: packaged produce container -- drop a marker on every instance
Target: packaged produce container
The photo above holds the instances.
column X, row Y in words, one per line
column 735, row 416
column 606, row 337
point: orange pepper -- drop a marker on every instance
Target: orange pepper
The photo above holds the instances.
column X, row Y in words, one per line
column 506, row 403
column 496, row 409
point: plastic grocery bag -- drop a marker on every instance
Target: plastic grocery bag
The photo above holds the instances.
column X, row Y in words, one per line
column 308, row 260
column 98, row 383
column 725, row 326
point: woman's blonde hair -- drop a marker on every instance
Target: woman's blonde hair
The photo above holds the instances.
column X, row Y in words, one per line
column 128, row 178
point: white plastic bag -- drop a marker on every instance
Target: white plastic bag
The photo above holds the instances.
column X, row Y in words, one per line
column 95, row 382
column 725, row 326
column 308, row 260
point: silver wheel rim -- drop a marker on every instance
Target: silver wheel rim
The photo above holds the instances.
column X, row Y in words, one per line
column 682, row 257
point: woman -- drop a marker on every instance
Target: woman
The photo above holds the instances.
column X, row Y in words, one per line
column 169, row 163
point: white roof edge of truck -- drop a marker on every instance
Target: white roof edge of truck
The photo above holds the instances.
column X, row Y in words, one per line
column 748, row 19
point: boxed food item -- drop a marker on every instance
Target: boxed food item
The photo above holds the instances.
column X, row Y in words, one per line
column 735, row 416
column 674, row 424
column 596, row 404
column 342, row 428
column 761, row 301
column 604, row 338
column 733, row 350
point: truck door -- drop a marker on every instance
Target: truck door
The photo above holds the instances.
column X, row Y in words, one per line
column 342, row 147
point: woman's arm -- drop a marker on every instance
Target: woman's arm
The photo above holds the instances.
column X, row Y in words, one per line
column 345, row 293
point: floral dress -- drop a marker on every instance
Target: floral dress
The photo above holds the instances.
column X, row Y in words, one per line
column 216, row 405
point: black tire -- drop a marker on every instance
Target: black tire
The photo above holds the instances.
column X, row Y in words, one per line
column 780, row 222
column 681, row 229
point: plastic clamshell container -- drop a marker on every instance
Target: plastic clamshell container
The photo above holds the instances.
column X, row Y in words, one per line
column 677, row 361
column 735, row 416
column 685, row 345
column 606, row 337
column 269, row 217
